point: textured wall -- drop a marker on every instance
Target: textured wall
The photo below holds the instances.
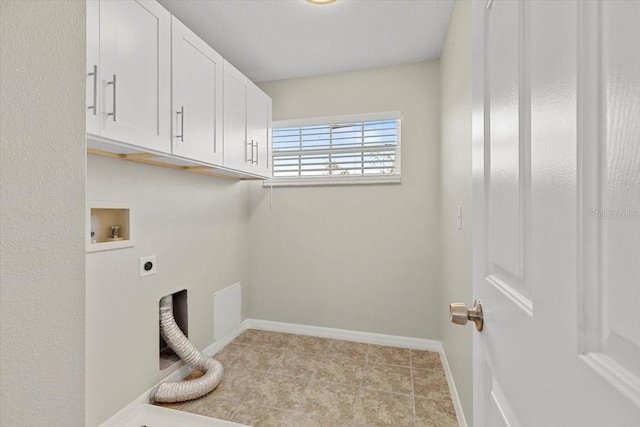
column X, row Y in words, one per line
column 42, row 208
column 366, row 257
column 455, row 77
column 197, row 226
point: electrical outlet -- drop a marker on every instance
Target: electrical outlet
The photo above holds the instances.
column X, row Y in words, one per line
column 459, row 218
column 147, row 265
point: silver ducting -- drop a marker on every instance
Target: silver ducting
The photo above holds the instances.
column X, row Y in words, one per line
column 171, row 392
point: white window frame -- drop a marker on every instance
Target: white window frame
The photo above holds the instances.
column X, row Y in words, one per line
column 391, row 178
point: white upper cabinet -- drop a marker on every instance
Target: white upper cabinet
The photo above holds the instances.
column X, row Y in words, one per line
column 135, row 61
column 157, row 92
column 93, row 59
column 197, row 97
column 247, row 112
column 237, row 150
column 258, row 130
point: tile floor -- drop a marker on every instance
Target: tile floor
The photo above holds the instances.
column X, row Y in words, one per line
column 274, row 379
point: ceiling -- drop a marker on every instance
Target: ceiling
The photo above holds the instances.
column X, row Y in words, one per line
column 281, row 39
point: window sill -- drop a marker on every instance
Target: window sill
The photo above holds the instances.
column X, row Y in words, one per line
column 336, row 180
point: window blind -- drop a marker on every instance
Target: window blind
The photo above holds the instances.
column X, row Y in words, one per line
column 348, row 149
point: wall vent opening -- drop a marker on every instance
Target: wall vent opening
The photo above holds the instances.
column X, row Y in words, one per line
column 180, row 312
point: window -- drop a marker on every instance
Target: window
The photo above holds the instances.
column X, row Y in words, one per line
column 346, row 149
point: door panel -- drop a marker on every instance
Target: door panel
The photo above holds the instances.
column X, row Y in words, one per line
column 135, row 47
column 610, row 212
column 93, row 69
column 236, row 149
column 504, row 143
column 197, row 95
column 266, row 164
column 621, row 143
column 258, row 125
column 500, row 412
column 556, row 119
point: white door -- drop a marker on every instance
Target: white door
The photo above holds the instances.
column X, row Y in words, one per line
column 556, row 176
column 258, row 127
column 135, row 75
column 197, row 96
column 238, row 149
column 93, row 59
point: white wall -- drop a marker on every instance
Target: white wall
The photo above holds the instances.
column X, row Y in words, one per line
column 197, row 227
column 363, row 258
column 42, row 194
column 455, row 158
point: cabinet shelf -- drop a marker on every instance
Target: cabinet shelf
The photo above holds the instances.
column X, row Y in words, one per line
column 102, row 147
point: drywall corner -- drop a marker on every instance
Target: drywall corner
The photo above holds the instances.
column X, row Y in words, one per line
column 455, row 164
column 42, row 129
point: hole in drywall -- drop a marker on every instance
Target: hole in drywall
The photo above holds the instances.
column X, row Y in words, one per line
column 180, row 312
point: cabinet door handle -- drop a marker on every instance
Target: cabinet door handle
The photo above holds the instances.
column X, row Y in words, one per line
column 257, row 153
column 181, row 113
column 95, row 90
column 113, row 82
column 250, row 160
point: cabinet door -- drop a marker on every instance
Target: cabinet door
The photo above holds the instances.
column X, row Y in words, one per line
column 237, row 149
column 93, row 66
column 135, row 42
column 197, row 96
column 258, row 127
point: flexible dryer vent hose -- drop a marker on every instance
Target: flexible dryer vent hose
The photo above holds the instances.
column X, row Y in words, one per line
column 171, row 392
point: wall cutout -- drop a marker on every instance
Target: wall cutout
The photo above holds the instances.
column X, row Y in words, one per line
column 180, row 312
column 109, row 225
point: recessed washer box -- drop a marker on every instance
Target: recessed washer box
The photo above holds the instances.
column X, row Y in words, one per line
column 102, row 217
column 147, row 265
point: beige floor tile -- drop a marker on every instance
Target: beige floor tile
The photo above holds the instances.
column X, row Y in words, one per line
column 259, row 416
column 212, row 406
column 247, row 337
column 260, row 358
column 307, row 344
column 297, row 364
column 435, row 413
column 395, row 379
column 278, row 391
column 271, row 339
column 380, row 408
column 389, row 355
column 300, row 419
column 229, row 352
column 433, row 384
column 288, row 380
column 237, row 383
column 329, row 400
column 426, row 360
column 339, row 370
column 347, row 349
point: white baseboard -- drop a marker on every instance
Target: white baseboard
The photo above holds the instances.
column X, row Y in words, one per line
column 316, row 331
column 347, row 335
column 176, row 373
column 222, row 342
column 457, row 405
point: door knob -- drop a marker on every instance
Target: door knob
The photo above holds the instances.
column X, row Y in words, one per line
column 460, row 314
